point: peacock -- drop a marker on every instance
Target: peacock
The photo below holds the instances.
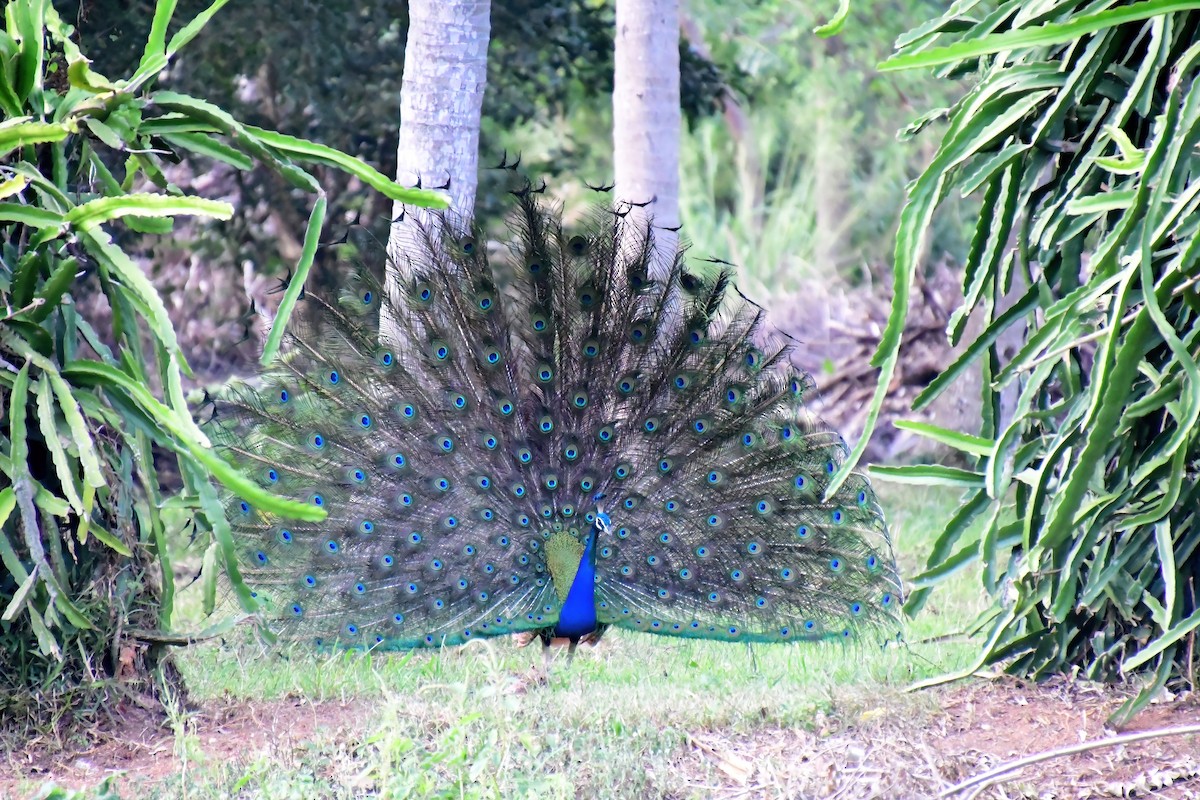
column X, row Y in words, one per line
column 573, row 433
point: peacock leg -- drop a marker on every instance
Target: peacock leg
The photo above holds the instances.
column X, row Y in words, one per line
column 595, row 636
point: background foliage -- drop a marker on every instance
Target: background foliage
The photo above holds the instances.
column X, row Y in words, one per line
column 331, row 72
column 808, row 185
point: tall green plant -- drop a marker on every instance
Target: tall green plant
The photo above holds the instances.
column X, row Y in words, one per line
column 1080, row 134
column 87, row 580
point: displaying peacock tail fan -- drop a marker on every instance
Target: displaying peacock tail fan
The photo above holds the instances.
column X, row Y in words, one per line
column 599, row 442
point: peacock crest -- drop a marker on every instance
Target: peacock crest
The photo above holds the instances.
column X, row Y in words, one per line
column 597, row 439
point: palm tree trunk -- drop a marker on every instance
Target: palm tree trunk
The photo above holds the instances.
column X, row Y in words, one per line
column 647, row 120
column 445, row 72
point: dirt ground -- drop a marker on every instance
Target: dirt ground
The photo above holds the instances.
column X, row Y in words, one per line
column 873, row 753
column 978, row 727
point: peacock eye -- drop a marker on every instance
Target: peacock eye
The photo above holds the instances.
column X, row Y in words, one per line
column 576, row 408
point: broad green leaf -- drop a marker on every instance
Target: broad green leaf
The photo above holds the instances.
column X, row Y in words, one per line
column 108, row 183
column 1040, row 36
column 1175, row 634
column 312, row 237
column 13, row 186
column 106, row 209
column 88, row 458
column 175, row 123
column 213, row 148
column 1170, row 575
column 967, row 443
column 929, row 475
column 945, row 568
column 30, row 31
column 58, row 456
column 93, row 373
column 51, row 503
column 104, row 133
column 1102, row 203
column 208, row 578
column 31, row 216
column 10, row 104
column 54, row 288
column 189, row 31
column 1132, row 159
column 8, row 554
column 16, row 133
column 100, row 245
column 17, row 432
column 47, row 644
column 20, row 597
column 836, row 23
column 81, row 76
column 987, row 168
column 194, row 108
column 154, row 57
column 319, row 153
column 156, row 43
column 179, row 403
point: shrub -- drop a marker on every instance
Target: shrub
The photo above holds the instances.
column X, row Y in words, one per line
column 86, row 590
column 1080, row 133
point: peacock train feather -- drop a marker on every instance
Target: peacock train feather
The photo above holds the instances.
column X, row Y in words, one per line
column 604, row 440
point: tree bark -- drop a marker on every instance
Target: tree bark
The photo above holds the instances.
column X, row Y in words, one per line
column 445, row 72
column 647, row 121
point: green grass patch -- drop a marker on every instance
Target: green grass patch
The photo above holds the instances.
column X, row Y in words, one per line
column 629, row 718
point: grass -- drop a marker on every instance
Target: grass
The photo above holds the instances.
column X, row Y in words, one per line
column 626, row 719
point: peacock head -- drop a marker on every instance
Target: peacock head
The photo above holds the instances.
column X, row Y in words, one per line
column 603, row 523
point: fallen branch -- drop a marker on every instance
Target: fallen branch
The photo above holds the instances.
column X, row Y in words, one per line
column 176, row 639
column 984, row 778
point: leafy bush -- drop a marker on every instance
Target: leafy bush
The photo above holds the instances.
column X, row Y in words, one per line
column 86, row 590
column 1080, row 132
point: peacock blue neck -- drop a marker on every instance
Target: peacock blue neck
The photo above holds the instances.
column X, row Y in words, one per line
column 578, row 615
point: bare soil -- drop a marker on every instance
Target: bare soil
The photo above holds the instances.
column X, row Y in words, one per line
column 896, row 753
column 863, row 752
